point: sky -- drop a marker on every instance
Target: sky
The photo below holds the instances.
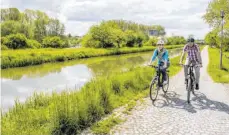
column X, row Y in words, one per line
column 179, row 17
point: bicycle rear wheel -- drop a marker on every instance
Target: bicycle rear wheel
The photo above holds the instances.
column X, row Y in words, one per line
column 166, row 86
column 154, row 90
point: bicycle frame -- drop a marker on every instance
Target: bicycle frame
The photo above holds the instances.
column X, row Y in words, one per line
column 191, row 75
column 158, row 75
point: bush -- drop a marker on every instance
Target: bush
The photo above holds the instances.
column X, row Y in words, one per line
column 33, row 44
column 152, row 41
column 4, row 40
column 53, row 42
column 88, row 41
column 139, row 39
column 130, row 38
column 3, row 47
column 176, row 40
column 16, row 41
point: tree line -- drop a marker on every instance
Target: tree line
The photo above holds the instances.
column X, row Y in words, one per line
column 31, row 29
column 121, row 33
column 35, row 29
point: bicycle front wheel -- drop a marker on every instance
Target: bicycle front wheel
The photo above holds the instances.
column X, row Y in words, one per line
column 165, row 87
column 154, row 90
column 189, row 87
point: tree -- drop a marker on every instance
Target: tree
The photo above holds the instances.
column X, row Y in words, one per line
column 10, row 27
column 212, row 15
column 55, row 28
column 212, row 38
column 10, row 14
column 40, row 25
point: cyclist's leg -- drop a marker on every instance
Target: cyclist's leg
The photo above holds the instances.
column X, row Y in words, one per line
column 197, row 74
column 164, row 78
column 186, row 69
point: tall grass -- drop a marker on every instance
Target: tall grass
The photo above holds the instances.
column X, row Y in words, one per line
column 71, row 112
column 20, row 58
column 220, row 76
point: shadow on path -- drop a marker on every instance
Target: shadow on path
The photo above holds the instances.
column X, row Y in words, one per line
column 198, row 102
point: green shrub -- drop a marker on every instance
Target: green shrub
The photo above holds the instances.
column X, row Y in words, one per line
column 4, row 40
column 53, row 42
column 130, row 38
column 139, row 39
column 3, row 47
column 152, row 41
column 16, row 41
column 33, row 44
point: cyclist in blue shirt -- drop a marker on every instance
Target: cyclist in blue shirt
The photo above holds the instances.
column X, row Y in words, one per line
column 163, row 59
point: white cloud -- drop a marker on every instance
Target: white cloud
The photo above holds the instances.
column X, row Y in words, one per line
column 177, row 16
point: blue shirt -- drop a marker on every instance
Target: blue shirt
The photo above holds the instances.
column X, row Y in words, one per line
column 162, row 56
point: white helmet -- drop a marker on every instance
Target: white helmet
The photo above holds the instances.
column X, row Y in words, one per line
column 160, row 42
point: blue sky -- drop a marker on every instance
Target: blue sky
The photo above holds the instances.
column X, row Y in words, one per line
column 179, row 17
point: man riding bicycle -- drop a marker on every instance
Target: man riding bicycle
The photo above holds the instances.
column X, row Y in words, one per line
column 193, row 57
column 163, row 59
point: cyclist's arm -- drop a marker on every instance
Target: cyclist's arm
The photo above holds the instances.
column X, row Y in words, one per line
column 154, row 56
column 183, row 53
column 166, row 58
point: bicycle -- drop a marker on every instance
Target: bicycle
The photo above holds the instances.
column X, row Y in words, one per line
column 156, row 83
column 190, row 82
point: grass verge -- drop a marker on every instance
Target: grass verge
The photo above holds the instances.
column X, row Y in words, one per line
column 104, row 126
column 20, row 58
column 219, row 76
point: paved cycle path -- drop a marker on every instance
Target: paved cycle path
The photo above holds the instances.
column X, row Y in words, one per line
column 208, row 113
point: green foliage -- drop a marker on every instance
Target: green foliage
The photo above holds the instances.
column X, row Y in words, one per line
column 33, row 44
column 118, row 33
column 213, row 18
column 130, row 38
column 220, row 76
column 104, row 126
column 212, row 15
column 10, row 27
column 16, row 41
column 19, row 58
column 53, row 42
column 33, row 24
column 212, row 38
column 10, row 14
column 4, row 40
column 152, row 41
column 176, row 40
column 4, row 47
column 140, row 37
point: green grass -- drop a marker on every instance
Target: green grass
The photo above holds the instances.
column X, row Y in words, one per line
column 20, row 58
column 220, row 76
column 71, row 112
column 104, row 126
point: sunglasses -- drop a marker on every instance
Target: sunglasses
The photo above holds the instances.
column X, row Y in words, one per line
column 160, row 45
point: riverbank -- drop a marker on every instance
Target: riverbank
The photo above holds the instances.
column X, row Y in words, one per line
column 219, row 76
column 72, row 112
column 20, row 58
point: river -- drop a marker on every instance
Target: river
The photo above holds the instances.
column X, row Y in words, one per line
column 21, row 83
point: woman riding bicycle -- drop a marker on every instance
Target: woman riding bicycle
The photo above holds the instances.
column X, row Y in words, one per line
column 163, row 59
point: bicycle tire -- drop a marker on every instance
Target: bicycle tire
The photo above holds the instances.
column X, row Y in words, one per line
column 165, row 89
column 153, row 96
column 189, row 90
